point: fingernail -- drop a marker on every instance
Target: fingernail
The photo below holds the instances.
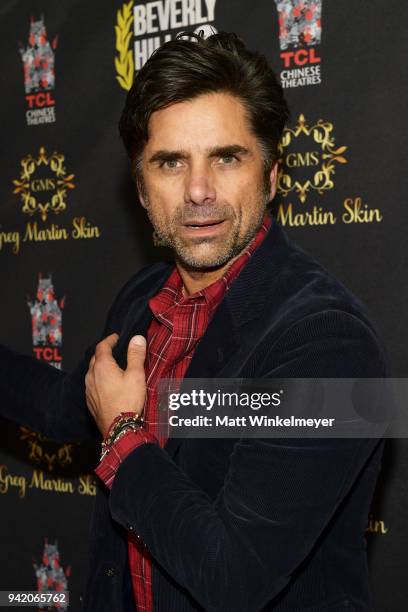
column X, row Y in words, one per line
column 138, row 340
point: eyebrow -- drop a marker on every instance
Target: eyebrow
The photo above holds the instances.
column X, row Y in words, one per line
column 164, row 155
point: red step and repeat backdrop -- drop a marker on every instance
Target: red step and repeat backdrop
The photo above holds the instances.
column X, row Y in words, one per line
column 72, row 230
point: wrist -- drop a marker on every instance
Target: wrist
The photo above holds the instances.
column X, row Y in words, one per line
column 121, row 425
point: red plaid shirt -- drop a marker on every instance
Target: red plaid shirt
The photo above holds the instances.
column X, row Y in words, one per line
column 177, row 326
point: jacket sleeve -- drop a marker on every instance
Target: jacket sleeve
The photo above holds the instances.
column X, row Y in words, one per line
column 48, row 400
column 43, row 398
column 239, row 551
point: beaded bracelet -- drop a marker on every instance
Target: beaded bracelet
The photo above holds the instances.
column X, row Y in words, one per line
column 125, row 422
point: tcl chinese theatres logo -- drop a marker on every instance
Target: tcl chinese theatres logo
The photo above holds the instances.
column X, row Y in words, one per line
column 39, row 74
column 300, row 31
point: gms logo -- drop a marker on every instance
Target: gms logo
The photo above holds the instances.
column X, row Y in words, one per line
column 317, row 156
column 46, row 322
column 51, row 578
column 42, row 188
column 39, row 74
column 300, row 30
column 43, row 451
column 142, row 28
column 309, row 158
column 43, row 184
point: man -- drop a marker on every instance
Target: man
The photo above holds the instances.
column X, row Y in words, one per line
column 214, row 524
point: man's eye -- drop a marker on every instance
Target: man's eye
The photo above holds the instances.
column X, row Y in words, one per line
column 228, row 159
column 171, row 164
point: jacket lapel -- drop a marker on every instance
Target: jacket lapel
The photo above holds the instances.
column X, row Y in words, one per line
column 138, row 314
column 212, row 355
column 238, row 322
column 136, row 323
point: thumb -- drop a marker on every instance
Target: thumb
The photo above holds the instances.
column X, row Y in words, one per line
column 136, row 353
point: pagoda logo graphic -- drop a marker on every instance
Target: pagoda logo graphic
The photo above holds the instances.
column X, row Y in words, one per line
column 52, row 578
column 39, row 74
column 299, row 22
column 46, row 322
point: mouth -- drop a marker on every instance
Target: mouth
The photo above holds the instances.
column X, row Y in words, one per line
column 204, row 228
column 199, row 224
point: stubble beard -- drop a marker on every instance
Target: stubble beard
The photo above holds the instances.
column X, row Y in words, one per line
column 219, row 250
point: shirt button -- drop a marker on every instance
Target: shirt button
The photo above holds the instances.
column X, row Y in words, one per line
column 111, row 572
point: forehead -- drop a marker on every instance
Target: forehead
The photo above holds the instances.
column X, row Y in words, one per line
column 209, row 119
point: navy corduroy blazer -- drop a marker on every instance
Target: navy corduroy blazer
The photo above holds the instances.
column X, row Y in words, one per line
column 232, row 525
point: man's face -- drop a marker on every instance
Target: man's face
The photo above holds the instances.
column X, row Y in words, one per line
column 204, row 184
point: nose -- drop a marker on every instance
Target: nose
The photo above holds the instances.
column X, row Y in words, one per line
column 199, row 185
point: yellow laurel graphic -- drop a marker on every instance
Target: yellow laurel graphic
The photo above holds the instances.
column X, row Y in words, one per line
column 39, row 445
column 124, row 62
column 321, row 133
column 55, row 187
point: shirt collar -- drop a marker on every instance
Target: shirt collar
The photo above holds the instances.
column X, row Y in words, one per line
column 171, row 294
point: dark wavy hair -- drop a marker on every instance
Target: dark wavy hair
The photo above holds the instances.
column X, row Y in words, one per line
column 190, row 66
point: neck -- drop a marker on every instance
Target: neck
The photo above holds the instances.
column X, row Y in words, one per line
column 195, row 280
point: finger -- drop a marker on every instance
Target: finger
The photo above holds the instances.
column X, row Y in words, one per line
column 136, row 354
column 106, row 346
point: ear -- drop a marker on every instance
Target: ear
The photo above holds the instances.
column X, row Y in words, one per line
column 141, row 191
column 273, row 178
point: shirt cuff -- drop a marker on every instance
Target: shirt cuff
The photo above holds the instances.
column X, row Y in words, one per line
column 118, row 452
